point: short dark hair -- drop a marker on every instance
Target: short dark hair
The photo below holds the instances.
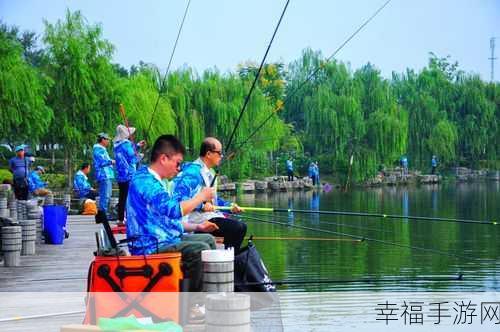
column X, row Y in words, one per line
column 206, row 146
column 84, row 165
column 166, row 144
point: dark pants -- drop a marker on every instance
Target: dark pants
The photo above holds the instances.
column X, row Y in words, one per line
column 290, row 175
column 21, row 189
column 313, row 178
column 191, row 246
column 433, row 170
column 91, row 195
column 122, row 200
column 232, row 230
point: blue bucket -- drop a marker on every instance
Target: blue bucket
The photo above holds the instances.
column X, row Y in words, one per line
column 54, row 223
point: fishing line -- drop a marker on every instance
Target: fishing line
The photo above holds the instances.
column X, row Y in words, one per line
column 255, row 79
column 163, row 81
column 363, row 238
column 314, row 73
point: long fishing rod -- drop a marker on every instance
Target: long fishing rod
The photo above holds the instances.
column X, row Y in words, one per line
column 349, row 281
column 314, row 73
column 247, row 99
column 299, row 238
column 333, row 223
column 363, row 238
column 361, row 214
column 162, row 82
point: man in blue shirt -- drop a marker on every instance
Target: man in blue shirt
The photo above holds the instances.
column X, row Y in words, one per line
column 19, row 167
column 81, row 184
column 434, row 164
column 154, row 217
column 127, row 158
column 104, row 175
column 289, row 169
column 198, row 175
column 36, row 186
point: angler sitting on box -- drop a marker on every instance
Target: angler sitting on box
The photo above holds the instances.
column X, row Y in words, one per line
column 155, row 217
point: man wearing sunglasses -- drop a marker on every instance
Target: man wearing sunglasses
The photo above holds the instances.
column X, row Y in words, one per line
column 154, row 217
column 198, row 175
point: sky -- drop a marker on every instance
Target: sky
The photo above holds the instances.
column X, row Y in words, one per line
column 225, row 33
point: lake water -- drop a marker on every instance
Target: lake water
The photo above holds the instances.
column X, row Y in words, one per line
column 397, row 254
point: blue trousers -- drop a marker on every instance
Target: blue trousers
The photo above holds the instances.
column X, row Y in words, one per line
column 105, row 188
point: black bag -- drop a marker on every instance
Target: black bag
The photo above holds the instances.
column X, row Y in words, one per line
column 251, row 275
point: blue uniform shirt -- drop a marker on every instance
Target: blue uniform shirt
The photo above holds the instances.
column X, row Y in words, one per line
column 35, row 182
column 103, row 166
column 153, row 215
column 81, row 184
column 126, row 160
column 289, row 165
column 19, row 167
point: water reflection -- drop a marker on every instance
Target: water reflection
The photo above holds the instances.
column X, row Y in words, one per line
column 290, row 207
column 314, row 206
column 346, row 260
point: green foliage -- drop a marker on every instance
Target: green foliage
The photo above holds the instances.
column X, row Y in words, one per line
column 24, row 116
column 5, row 174
column 55, row 181
column 443, row 141
column 69, row 91
column 85, row 92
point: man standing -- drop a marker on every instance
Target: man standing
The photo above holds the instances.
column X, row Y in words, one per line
column 434, row 164
column 289, row 169
column 36, row 186
column 316, row 173
column 19, row 166
column 310, row 172
column 127, row 158
column 104, row 175
column 81, row 184
column 154, row 217
column 200, row 174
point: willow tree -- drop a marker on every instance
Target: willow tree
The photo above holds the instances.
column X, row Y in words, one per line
column 85, row 93
column 140, row 93
column 24, row 115
column 476, row 115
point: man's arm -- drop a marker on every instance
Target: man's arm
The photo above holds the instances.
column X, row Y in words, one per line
column 170, row 206
column 185, row 187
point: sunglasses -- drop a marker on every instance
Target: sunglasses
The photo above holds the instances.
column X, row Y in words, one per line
column 177, row 164
column 218, row 152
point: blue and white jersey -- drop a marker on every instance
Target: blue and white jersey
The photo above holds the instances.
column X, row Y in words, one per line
column 35, row 182
column 189, row 182
column 126, row 160
column 103, row 166
column 81, row 184
column 153, row 215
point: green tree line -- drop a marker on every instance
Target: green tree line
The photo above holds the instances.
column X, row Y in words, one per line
column 67, row 89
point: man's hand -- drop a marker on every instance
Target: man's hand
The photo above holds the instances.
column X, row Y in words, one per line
column 207, row 227
column 207, row 194
column 142, row 144
column 235, row 208
column 208, row 207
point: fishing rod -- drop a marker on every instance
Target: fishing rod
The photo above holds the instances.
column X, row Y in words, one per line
column 282, row 238
column 163, row 81
column 349, row 281
column 361, row 214
column 55, row 314
column 388, row 243
column 284, row 218
column 254, row 83
column 314, row 73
